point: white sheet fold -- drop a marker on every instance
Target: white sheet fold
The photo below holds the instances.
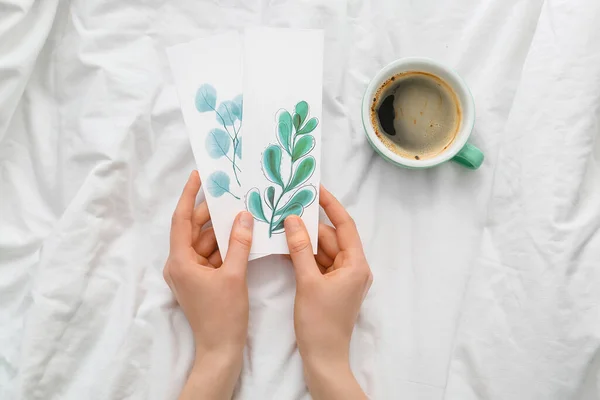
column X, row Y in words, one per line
column 475, row 297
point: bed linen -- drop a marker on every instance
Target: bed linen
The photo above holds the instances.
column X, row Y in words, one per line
column 486, row 283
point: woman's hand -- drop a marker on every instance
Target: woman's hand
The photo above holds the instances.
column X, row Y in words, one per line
column 212, row 293
column 330, row 290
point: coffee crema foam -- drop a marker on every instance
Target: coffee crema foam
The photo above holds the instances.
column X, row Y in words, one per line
column 416, row 115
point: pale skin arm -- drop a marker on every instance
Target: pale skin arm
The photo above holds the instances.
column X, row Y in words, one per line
column 211, row 379
column 330, row 288
column 212, row 293
column 214, row 297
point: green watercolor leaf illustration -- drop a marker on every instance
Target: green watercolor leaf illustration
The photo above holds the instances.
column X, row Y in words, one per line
column 297, row 121
column 238, row 149
column 226, row 113
column 270, row 196
column 217, row 143
column 254, row 205
column 302, row 111
column 303, row 171
column 206, row 98
column 309, row 126
column 218, row 184
column 293, row 139
column 272, row 163
column 303, row 196
column 284, row 130
column 302, row 147
column 279, row 228
column 283, row 135
column 238, row 102
column 292, row 209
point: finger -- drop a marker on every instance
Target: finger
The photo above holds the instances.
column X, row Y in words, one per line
column 328, row 240
column 200, row 260
column 215, row 259
column 300, row 247
column 240, row 242
column 322, row 268
column 201, row 217
column 346, row 231
column 181, row 223
column 206, row 243
column 322, row 258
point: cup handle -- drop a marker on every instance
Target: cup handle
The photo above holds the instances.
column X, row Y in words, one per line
column 469, row 156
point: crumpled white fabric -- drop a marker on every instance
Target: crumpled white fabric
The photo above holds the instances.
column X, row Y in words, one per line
column 486, row 283
column 530, row 324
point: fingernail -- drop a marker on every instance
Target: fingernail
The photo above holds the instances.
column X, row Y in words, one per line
column 292, row 224
column 246, row 221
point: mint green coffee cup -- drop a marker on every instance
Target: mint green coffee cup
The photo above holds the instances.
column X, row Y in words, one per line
column 456, row 146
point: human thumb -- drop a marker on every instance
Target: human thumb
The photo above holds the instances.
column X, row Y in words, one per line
column 240, row 242
column 300, row 247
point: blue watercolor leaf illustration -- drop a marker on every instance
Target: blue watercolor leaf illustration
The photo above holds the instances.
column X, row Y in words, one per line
column 303, row 196
column 303, row 171
column 254, row 205
column 206, row 98
column 234, row 110
column 238, row 103
column 226, row 113
column 217, row 143
column 238, row 149
column 284, row 130
column 218, row 184
column 302, row 111
column 309, row 126
column 292, row 209
column 271, row 164
column 270, row 196
column 303, row 147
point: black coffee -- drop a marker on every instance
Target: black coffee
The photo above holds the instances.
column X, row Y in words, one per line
column 416, row 115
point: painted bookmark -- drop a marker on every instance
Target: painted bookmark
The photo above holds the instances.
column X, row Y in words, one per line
column 208, row 76
column 282, row 106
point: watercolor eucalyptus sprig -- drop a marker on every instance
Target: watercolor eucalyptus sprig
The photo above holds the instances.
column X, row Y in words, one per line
column 219, row 141
column 296, row 143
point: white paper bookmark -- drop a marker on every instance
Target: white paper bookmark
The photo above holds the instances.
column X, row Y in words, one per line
column 208, row 75
column 283, row 71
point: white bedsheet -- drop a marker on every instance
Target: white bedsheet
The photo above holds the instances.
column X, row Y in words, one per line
column 487, row 283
